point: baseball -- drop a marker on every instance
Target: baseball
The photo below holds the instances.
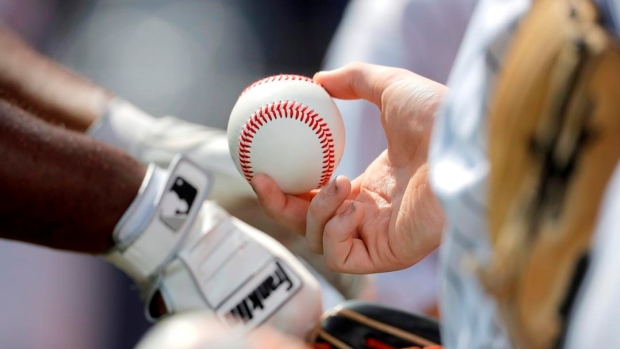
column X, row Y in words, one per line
column 288, row 127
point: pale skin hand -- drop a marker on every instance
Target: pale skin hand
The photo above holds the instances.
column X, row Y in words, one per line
column 387, row 218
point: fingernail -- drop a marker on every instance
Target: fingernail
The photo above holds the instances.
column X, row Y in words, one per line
column 349, row 210
column 331, row 188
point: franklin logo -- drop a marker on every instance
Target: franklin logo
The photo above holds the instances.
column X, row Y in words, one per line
column 176, row 203
column 272, row 291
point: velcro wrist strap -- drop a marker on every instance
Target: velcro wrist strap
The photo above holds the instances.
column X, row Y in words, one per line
column 141, row 253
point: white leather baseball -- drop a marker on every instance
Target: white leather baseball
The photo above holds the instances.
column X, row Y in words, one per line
column 288, row 127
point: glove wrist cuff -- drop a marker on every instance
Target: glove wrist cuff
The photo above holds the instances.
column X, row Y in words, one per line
column 137, row 215
column 155, row 225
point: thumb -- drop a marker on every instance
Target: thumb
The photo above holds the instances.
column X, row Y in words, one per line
column 360, row 81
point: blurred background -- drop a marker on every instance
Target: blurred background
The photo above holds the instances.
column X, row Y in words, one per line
column 186, row 58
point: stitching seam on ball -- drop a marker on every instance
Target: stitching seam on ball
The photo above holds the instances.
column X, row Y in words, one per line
column 281, row 77
column 288, row 110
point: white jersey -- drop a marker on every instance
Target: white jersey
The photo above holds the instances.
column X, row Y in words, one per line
column 459, row 170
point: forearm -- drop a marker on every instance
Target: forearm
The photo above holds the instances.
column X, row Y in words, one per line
column 59, row 188
column 45, row 88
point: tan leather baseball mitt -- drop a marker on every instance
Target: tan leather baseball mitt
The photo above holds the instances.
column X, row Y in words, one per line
column 554, row 140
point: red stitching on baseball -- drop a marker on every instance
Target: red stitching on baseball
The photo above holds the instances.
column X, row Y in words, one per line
column 293, row 110
column 281, row 77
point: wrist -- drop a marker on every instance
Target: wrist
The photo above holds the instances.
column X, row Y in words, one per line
column 158, row 220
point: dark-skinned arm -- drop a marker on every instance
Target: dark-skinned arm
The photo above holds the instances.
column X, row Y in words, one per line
column 45, row 88
column 59, row 188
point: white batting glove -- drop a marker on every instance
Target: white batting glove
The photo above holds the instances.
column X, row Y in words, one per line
column 159, row 139
column 194, row 255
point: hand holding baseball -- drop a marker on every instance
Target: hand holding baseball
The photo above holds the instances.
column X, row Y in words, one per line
column 387, row 218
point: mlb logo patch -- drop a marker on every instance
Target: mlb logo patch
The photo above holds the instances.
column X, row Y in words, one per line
column 177, row 202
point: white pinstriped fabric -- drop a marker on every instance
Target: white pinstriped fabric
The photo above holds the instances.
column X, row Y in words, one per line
column 459, row 170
